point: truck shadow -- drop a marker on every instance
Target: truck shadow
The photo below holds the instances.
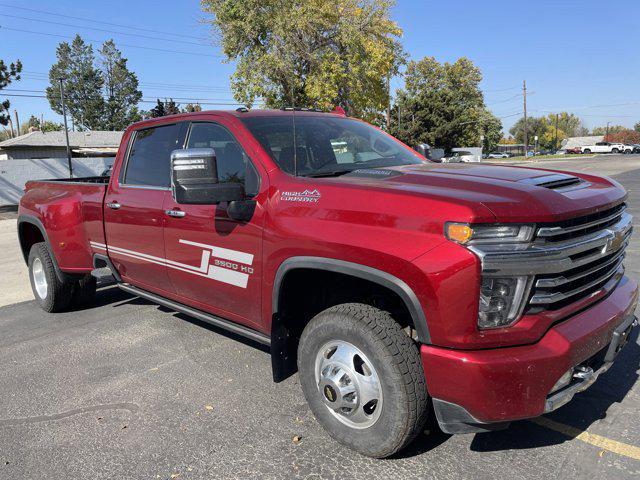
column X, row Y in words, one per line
column 115, row 297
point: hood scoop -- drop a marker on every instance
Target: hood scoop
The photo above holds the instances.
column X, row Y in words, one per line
column 558, row 182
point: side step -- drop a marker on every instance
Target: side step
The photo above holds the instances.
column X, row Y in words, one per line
column 199, row 314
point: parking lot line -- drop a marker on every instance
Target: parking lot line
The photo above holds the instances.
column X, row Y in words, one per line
column 590, row 438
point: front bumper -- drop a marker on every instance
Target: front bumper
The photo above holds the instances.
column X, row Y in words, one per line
column 485, row 389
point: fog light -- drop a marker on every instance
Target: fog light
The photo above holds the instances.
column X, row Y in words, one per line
column 565, row 380
column 500, row 301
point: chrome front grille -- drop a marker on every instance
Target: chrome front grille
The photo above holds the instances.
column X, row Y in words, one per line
column 593, row 267
column 566, row 261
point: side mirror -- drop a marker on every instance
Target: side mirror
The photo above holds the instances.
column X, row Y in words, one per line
column 194, row 179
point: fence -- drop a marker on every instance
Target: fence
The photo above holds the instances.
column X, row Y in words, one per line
column 15, row 173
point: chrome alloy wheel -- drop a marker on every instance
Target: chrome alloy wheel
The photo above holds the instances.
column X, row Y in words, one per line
column 39, row 278
column 348, row 384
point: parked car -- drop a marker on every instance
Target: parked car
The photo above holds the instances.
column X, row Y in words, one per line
column 628, row 149
column 498, row 155
column 573, row 151
column 460, row 156
column 603, row 147
column 368, row 270
column 636, row 148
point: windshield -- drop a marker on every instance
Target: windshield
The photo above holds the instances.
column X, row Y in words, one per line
column 326, row 145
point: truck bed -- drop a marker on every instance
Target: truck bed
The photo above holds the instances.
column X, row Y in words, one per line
column 70, row 210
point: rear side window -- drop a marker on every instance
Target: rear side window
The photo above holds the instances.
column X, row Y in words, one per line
column 149, row 158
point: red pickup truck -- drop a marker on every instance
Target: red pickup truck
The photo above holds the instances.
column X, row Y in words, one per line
column 398, row 288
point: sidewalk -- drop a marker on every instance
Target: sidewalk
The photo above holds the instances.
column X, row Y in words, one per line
column 14, row 281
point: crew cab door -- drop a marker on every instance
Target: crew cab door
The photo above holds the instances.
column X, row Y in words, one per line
column 133, row 212
column 216, row 262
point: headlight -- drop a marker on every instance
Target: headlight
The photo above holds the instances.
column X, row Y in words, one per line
column 464, row 233
column 501, row 301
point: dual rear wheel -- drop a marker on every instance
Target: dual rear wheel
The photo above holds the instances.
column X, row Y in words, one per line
column 51, row 293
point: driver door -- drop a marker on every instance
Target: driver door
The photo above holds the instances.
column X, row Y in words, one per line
column 216, row 262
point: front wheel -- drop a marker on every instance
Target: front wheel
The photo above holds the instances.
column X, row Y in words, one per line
column 587, row 151
column 363, row 379
column 615, row 150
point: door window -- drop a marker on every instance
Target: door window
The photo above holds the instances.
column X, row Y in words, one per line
column 233, row 163
column 150, row 156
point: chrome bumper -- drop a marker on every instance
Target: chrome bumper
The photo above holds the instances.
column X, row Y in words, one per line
column 588, row 376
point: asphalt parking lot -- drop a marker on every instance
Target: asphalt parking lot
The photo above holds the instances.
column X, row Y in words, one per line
column 127, row 389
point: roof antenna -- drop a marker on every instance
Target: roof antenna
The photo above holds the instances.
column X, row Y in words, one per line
column 295, row 144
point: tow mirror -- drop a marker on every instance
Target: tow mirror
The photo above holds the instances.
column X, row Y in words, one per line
column 194, row 179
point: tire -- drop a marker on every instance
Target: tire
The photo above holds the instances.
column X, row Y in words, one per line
column 587, row 151
column 379, row 354
column 84, row 291
column 51, row 294
column 615, row 150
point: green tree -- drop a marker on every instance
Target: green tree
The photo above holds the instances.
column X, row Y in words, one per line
column 121, row 89
column 569, row 123
column 442, row 105
column 192, row 107
column 83, row 84
column 636, row 127
column 612, row 129
column 535, row 126
column 168, row 107
column 45, row 126
column 319, row 53
column 8, row 74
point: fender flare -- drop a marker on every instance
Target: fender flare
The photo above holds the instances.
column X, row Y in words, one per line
column 25, row 218
column 371, row 274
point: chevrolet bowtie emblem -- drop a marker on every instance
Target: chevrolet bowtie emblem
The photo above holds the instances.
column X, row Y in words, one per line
column 614, row 241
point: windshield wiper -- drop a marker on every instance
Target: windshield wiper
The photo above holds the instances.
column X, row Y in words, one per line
column 330, row 173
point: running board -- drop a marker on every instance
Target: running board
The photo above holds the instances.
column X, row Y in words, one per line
column 199, row 314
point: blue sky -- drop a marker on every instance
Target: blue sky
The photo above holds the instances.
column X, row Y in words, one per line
column 579, row 56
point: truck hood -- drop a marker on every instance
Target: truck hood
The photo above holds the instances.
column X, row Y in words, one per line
column 517, row 194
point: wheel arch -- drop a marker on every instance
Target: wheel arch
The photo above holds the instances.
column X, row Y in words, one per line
column 31, row 231
column 282, row 348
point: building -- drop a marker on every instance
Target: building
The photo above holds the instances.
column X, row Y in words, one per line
column 36, row 145
column 575, row 142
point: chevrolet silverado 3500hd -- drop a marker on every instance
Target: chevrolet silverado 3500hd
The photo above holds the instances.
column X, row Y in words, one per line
column 394, row 286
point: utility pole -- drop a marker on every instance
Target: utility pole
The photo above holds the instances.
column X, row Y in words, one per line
column 388, row 102
column 555, row 142
column 15, row 112
column 526, row 133
column 66, row 129
column 607, row 132
column 10, row 126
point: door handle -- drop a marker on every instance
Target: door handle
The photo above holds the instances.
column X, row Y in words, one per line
column 113, row 205
column 175, row 213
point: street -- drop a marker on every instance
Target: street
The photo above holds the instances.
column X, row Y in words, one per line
column 128, row 389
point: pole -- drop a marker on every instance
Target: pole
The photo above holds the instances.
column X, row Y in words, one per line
column 607, row 132
column 526, row 133
column 10, row 126
column 555, row 142
column 388, row 102
column 66, row 129
column 15, row 112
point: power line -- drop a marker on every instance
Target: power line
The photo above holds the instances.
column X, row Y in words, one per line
column 141, row 101
column 21, row 90
column 163, row 50
column 175, row 87
column 103, row 30
column 101, row 22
